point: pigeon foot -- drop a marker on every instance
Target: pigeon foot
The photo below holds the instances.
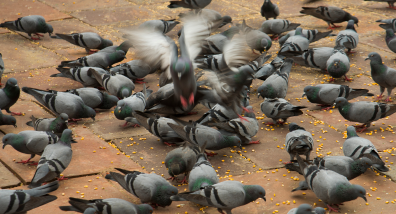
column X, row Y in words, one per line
column 255, row 142
column 16, row 113
column 184, row 181
column 62, row 178
column 332, row 209
column 26, row 161
column 211, row 154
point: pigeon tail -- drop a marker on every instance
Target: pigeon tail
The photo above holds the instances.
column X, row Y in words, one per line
column 43, row 190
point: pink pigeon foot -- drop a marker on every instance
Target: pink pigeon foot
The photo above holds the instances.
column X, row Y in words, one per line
column 62, row 178
column 25, row 161
column 192, row 113
column 172, row 178
column 289, row 162
column 332, row 209
column 347, row 79
column 332, row 80
column 74, row 120
column 92, row 51
column 388, row 100
column 101, row 88
column 211, row 154
column 184, row 181
column 379, row 97
column 254, row 142
column 16, row 113
column 281, row 122
column 125, row 124
column 270, row 123
column 242, row 118
column 327, row 108
column 33, row 164
column 169, row 144
column 139, row 82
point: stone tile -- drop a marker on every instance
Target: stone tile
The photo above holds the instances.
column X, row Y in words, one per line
column 20, row 54
column 7, row 178
column 110, row 129
column 12, row 10
column 3, row 30
column 84, row 4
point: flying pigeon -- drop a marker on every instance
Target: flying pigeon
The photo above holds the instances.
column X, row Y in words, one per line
column 357, row 147
column 311, row 35
column 9, row 95
column 149, row 188
column 307, row 209
column 94, row 98
column 162, row 26
column 391, row 3
column 54, row 125
column 60, row 102
column 54, row 160
column 298, row 142
column 269, row 10
column 202, row 174
column 116, row 84
column 196, row 4
column 225, row 195
column 348, row 38
column 326, row 94
column 22, row 201
column 1, row 68
column 338, row 64
column 330, row 14
column 87, row 40
column 390, row 39
column 212, row 18
column 277, row 26
column 33, row 24
column 363, row 111
column 279, row 108
column 388, row 24
column 80, row 74
column 298, row 42
column 383, row 75
column 7, row 120
column 108, row 205
column 99, row 59
column 135, row 70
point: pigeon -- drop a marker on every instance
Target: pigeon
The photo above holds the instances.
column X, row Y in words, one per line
column 303, row 185
column 390, row 40
column 298, row 142
column 245, row 128
column 54, row 125
column 307, row 209
column 199, row 135
column 256, row 39
column 225, row 195
column 269, row 10
column 127, row 106
column 9, row 95
column 330, row 187
column 202, row 174
column 162, row 26
column 338, row 64
column 135, row 70
column 212, row 18
column 311, row 35
column 99, row 59
column 348, row 38
column 87, row 40
column 330, row 14
column 196, row 4
column 276, row 85
column 149, row 188
column 215, row 44
column 279, row 108
column 326, row 94
column 33, row 24
column 357, row 147
column 268, row 69
column 219, row 113
column 30, row 142
column 315, row 57
column 344, row 165
column 295, row 43
column 181, row 160
column 60, row 102
column 1, row 68
column 124, row 46
column 22, row 201
column 383, row 75
column 391, row 3
column 80, row 74
column 116, row 84
column 388, row 24
column 94, row 98
column 108, row 205
column 7, row 120
column 277, row 26
column 54, row 160
column 363, row 111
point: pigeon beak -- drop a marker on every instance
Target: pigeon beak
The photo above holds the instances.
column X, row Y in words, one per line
column 334, row 104
column 93, row 118
column 364, row 197
column 4, row 145
column 258, row 95
column 304, row 95
column 179, row 75
column 357, row 24
column 366, row 59
column 15, row 126
column 264, row 198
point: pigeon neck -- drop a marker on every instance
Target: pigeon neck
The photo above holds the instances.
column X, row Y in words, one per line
column 345, row 192
column 250, row 193
column 359, row 167
column 351, row 134
column 344, row 109
column 313, row 95
column 377, row 67
column 124, row 112
column 389, row 36
column 12, row 91
column 17, row 142
column 201, row 182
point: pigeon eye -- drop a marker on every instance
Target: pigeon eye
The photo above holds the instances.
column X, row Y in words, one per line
column 260, row 193
column 173, row 192
column 361, row 192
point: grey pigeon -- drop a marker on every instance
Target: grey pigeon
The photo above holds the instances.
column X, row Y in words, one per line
column 391, row 3
column 311, row 35
column 225, row 195
column 307, row 209
column 61, row 102
column 302, row 185
column 383, row 75
column 116, row 84
column 212, row 18
column 33, row 24
column 124, row 46
column 30, row 142
column 390, row 39
column 357, row 147
column 348, row 38
column 330, row 14
column 94, row 98
column 297, row 42
column 54, row 125
column 256, row 39
column 338, row 64
column 279, row 108
column 215, row 44
column 245, row 127
column 21, row 201
column 163, row 26
column 326, row 94
column 7, row 120
column 363, row 111
column 108, row 205
column 87, row 40
column 54, row 160
column 196, row 4
column 135, row 70
column 149, row 188
column 9, row 95
column 330, row 187
column 219, row 113
column 269, row 10
column 181, row 160
column 80, row 74
column 388, row 24
column 277, row 26
column 99, row 59
column 268, row 69
column 202, row 174
column 276, row 85
column 298, row 142
column 126, row 106
column 315, row 58
column 1, row 68
column 346, row 166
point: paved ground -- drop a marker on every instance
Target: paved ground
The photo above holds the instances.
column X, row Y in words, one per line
column 103, row 145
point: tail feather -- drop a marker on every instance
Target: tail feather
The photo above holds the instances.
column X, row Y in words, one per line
column 35, row 202
column 36, row 93
column 8, row 25
column 381, row 168
column 43, row 190
column 66, row 37
column 177, row 4
column 386, row 26
column 321, row 35
column 124, row 171
column 293, row 26
column 120, row 179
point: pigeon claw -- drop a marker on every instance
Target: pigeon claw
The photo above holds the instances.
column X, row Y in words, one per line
column 169, row 144
column 26, row 161
column 332, row 209
column 388, row 100
column 347, row 79
column 270, row 123
column 62, row 178
column 332, row 80
column 255, row 142
column 184, row 181
column 327, row 108
column 172, row 178
column 139, row 82
column 211, row 154
column 16, row 113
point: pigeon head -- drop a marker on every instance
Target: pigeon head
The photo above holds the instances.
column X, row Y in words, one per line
column 14, row 140
column 319, row 210
column 49, row 29
column 374, row 57
column 177, row 167
column 294, row 126
column 89, row 112
column 265, row 45
column 361, row 165
column 124, row 92
column 11, row 88
column 340, row 101
column 117, row 56
column 226, row 20
column 303, row 185
column 125, row 46
column 355, row 20
column 108, row 101
column 144, row 208
column 163, row 194
column 311, row 92
column 106, row 43
column 298, row 31
column 64, row 117
column 122, row 110
column 304, row 208
column 253, row 192
column 67, row 136
column 358, row 191
column 351, row 132
column 233, row 141
column 181, row 67
column 351, row 25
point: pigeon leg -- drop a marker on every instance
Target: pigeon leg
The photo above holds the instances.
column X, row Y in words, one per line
column 270, row 123
column 92, row 51
column 332, row 209
column 362, row 130
column 101, row 88
column 16, row 113
column 25, row 161
column 0, row 82
column 388, row 99
column 336, row 26
column 192, row 113
column 275, row 37
column 211, row 154
column 169, row 144
column 72, row 120
column 332, row 80
column 327, row 108
column 246, row 110
column 350, row 51
column 139, row 82
column 39, row 34
column 184, row 181
column 125, row 124
column 380, row 96
column 172, row 178
column 33, row 164
column 347, row 79
column 140, row 79
column 62, row 178
column 255, row 142
column 242, row 118
column 220, row 211
column 33, row 38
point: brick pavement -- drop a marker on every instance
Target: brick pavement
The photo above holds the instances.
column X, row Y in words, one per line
column 102, row 145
